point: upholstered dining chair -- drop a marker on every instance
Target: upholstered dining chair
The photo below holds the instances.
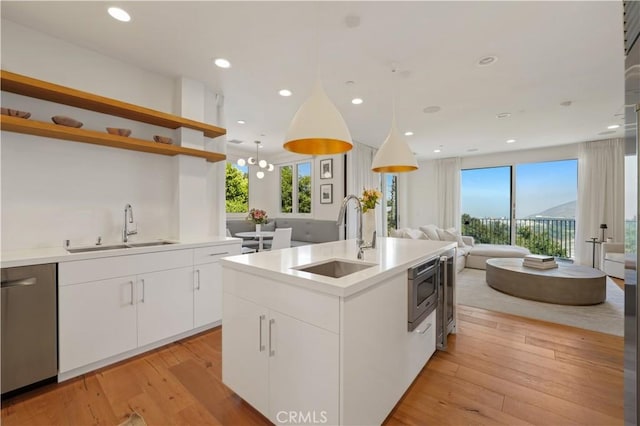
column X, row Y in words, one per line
column 281, row 238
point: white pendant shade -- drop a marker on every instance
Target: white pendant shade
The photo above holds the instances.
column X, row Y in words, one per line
column 394, row 156
column 318, row 128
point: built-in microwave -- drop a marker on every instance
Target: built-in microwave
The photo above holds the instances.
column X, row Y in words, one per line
column 423, row 280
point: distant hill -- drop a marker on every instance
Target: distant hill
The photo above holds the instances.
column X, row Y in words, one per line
column 566, row 210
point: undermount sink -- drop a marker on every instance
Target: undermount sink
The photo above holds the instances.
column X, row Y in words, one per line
column 335, row 268
column 152, row 243
column 118, row 246
column 96, row 248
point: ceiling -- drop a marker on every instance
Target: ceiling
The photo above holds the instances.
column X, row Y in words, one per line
column 548, row 53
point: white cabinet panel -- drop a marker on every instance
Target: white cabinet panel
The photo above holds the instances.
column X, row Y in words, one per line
column 119, row 266
column 214, row 253
column 303, row 371
column 207, row 299
column 96, row 320
column 165, row 304
column 244, row 349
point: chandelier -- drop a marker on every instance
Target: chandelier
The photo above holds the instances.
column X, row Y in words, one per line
column 262, row 164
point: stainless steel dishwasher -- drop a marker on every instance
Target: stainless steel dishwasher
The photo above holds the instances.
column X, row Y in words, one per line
column 29, row 346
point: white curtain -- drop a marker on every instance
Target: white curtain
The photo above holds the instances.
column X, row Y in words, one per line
column 600, row 196
column 360, row 176
column 448, row 187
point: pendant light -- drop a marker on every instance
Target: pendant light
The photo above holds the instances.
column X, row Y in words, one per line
column 318, row 128
column 394, row 156
column 262, row 164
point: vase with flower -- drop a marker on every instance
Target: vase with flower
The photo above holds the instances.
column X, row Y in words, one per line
column 370, row 199
column 258, row 217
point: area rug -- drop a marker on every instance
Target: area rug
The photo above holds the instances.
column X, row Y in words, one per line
column 608, row 317
column 134, row 419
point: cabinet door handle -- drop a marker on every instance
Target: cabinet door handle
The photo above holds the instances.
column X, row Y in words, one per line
column 19, row 283
column 218, row 254
column 131, row 284
column 142, row 300
column 272, row 351
column 197, row 279
column 423, row 330
column 261, row 346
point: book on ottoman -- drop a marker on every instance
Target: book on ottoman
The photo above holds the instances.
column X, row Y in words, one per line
column 539, row 258
column 539, row 265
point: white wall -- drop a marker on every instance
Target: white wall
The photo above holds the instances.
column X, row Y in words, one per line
column 418, row 191
column 54, row 190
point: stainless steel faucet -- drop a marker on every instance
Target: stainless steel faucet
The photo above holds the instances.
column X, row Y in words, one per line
column 343, row 209
column 128, row 218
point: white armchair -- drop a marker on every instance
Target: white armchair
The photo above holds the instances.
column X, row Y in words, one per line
column 612, row 259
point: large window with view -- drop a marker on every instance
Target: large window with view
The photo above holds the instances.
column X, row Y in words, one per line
column 538, row 212
column 237, row 188
column 295, row 188
column 390, row 192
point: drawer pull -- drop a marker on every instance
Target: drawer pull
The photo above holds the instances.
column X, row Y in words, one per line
column 218, row 254
column 423, row 330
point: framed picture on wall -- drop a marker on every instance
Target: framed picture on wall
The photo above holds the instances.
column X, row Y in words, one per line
column 326, row 168
column 326, row 194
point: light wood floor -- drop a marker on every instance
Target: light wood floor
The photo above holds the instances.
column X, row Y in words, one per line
column 499, row 369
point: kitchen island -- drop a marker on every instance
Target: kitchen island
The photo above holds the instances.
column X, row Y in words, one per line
column 308, row 348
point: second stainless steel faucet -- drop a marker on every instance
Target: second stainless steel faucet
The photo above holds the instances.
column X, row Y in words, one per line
column 128, row 218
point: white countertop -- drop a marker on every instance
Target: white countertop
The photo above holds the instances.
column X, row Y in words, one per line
column 38, row 256
column 392, row 256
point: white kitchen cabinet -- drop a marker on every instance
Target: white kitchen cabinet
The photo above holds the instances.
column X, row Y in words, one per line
column 118, row 306
column 164, row 304
column 207, row 295
column 280, row 364
column 304, row 370
column 245, row 340
column 96, row 320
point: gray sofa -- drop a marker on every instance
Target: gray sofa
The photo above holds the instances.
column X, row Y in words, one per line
column 303, row 231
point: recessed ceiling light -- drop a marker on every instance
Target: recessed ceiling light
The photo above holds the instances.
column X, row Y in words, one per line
column 613, row 126
column 285, row 92
column 436, row 150
column 487, row 60
column 431, row 109
column 504, row 115
column 119, row 14
column 408, row 133
column 356, row 101
column 511, row 140
column 241, row 122
column 222, row 63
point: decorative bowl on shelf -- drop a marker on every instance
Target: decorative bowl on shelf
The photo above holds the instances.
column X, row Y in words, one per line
column 66, row 121
column 162, row 139
column 15, row 113
column 118, row 131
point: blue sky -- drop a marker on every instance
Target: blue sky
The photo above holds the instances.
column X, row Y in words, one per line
column 539, row 186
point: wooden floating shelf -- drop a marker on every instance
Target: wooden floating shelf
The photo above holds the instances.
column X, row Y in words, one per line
column 49, row 130
column 34, row 88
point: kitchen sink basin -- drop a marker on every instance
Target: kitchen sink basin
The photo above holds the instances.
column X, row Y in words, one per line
column 335, row 268
column 118, row 246
column 149, row 244
column 96, row 248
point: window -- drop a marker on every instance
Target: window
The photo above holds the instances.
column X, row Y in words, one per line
column 237, row 188
column 546, row 195
column 542, row 205
column 391, row 201
column 486, row 204
column 295, row 198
